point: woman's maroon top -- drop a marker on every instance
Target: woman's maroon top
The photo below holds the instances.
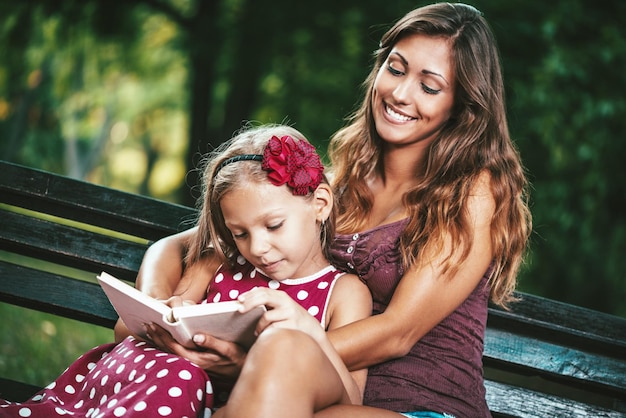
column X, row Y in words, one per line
column 443, row 370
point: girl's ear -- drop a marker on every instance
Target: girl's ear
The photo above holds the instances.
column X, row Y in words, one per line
column 323, row 201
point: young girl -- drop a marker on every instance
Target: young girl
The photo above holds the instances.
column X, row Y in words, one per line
column 264, row 219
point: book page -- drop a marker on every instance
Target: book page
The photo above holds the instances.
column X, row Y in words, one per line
column 221, row 319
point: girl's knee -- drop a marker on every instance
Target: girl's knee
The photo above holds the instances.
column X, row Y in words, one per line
column 284, row 339
column 279, row 348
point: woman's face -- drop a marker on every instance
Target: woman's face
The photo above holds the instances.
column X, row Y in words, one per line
column 413, row 91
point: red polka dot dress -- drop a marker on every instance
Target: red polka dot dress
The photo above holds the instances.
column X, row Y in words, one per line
column 135, row 379
column 312, row 292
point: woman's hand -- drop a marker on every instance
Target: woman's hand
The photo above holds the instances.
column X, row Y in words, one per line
column 282, row 312
column 220, row 358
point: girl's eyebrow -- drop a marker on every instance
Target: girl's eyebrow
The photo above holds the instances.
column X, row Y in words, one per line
column 424, row 71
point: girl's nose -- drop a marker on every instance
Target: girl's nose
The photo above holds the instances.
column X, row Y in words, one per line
column 259, row 244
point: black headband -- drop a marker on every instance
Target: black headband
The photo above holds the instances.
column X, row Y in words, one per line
column 242, row 157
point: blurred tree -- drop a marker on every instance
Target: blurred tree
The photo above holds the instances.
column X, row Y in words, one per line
column 564, row 64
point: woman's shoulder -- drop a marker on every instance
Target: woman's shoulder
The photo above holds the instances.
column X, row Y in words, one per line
column 481, row 202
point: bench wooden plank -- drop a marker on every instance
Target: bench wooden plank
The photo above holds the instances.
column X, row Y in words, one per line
column 16, row 391
column 536, row 357
column 95, row 205
column 558, row 321
column 52, row 293
column 69, row 246
column 510, row 401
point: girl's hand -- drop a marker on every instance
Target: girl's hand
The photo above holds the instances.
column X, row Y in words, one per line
column 220, row 358
column 176, row 301
column 282, row 312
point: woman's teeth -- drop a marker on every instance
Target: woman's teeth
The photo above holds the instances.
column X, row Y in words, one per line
column 397, row 116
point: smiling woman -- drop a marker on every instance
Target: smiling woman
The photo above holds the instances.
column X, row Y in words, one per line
column 412, row 99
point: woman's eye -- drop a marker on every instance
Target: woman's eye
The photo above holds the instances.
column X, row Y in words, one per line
column 429, row 90
column 241, row 235
column 394, row 71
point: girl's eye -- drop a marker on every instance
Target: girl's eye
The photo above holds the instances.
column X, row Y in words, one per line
column 241, row 235
column 275, row 227
column 429, row 90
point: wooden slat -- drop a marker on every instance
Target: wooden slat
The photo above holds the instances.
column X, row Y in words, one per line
column 16, row 391
column 69, row 246
column 558, row 321
column 510, row 401
column 52, row 293
column 531, row 356
column 96, row 205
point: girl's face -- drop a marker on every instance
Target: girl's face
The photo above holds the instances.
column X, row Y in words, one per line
column 274, row 230
column 413, row 91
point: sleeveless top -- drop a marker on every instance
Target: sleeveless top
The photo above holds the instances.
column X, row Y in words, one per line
column 443, row 370
column 312, row 292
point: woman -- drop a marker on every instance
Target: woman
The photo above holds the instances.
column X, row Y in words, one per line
column 432, row 217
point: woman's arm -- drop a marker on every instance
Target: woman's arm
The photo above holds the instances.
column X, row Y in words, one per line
column 423, row 298
column 160, row 272
column 162, row 266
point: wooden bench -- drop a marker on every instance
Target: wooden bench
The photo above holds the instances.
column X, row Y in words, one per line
column 542, row 359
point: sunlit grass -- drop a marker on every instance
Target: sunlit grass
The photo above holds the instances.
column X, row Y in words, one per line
column 36, row 347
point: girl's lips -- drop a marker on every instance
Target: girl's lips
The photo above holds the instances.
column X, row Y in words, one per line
column 397, row 116
column 269, row 266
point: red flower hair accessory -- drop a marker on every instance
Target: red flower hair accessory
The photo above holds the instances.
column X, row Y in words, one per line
column 294, row 163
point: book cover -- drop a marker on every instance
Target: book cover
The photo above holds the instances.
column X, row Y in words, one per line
column 222, row 319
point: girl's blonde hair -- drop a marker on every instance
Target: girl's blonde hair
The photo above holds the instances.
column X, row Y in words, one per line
column 475, row 140
column 213, row 235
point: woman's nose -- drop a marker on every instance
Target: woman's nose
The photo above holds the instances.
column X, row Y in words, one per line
column 402, row 92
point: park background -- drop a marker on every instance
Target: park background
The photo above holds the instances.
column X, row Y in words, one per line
column 130, row 93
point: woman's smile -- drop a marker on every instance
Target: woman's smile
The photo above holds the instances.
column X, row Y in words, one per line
column 396, row 115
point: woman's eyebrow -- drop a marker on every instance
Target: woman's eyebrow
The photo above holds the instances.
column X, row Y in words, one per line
column 428, row 72
column 404, row 61
column 424, row 71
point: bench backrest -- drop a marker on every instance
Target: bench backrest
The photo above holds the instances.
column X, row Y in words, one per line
column 61, row 224
column 542, row 358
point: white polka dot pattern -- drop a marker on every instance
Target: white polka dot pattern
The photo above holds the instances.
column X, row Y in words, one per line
column 312, row 292
column 132, row 380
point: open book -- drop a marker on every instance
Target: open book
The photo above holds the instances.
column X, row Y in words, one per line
column 222, row 319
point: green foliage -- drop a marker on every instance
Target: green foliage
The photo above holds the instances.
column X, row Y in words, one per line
column 567, row 106
column 93, row 100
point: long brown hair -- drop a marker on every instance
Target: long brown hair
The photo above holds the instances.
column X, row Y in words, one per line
column 475, row 140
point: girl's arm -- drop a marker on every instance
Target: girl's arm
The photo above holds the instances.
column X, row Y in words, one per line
column 423, row 298
column 350, row 301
